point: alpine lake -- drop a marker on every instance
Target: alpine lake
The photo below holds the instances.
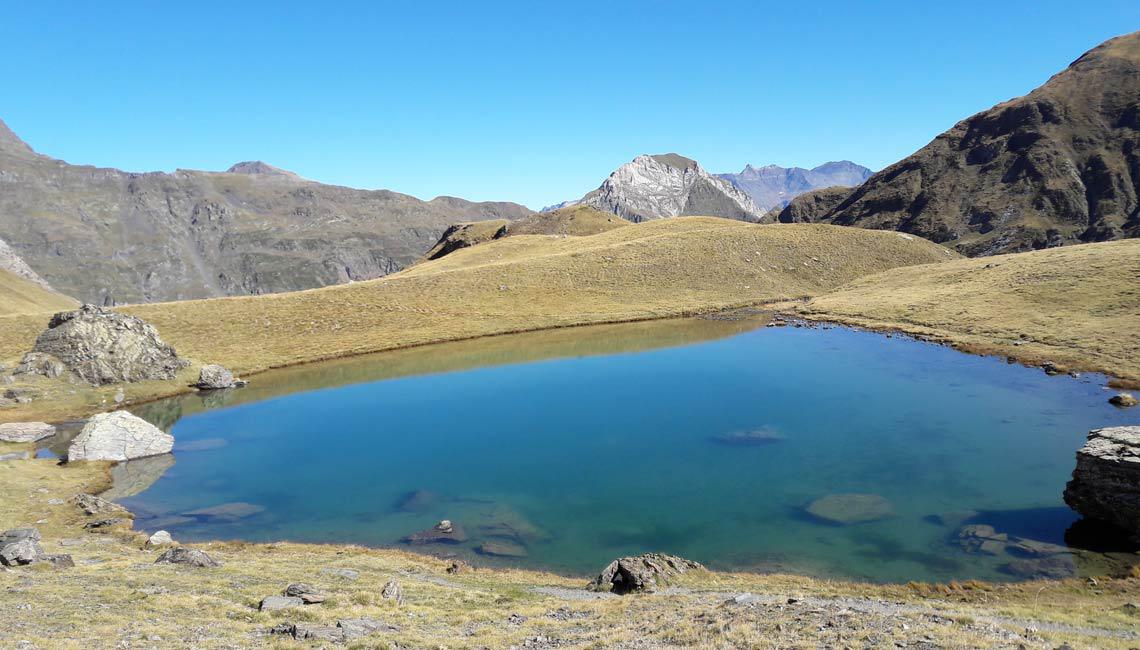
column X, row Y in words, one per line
column 814, row 450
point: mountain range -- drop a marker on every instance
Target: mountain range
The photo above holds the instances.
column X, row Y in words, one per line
column 772, row 186
column 107, row 236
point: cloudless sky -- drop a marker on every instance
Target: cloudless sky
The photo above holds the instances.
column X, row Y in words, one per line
column 533, row 102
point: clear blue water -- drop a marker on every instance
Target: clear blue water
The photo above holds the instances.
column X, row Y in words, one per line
column 596, row 456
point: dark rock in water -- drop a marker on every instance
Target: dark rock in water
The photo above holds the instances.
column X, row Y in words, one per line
column 1050, row 568
column 504, row 522
column 215, row 377
column 1106, row 481
column 93, row 505
column 1123, row 400
column 444, row 532
column 188, row 556
column 307, row 593
column 848, row 509
column 226, row 511
column 416, row 501
column 502, row 548
column 645, row 572
column 274, row 603
column 25, row 431
column 107, row 347
column 753, row 438
column 980, row 538
column 393, row 591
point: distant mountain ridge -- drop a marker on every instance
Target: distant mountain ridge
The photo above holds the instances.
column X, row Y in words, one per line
column 107, row 236
column 772, row 186
column 668, row 185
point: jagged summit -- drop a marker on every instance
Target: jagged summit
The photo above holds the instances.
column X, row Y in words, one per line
column 258, row 168
column 772, row 186
column 669, row 185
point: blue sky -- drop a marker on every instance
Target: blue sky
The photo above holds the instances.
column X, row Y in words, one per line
column 526, row 101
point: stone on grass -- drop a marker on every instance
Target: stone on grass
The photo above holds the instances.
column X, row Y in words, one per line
column 273, row 603
column 188, row 556
column 848, row 509
column 215, row 377
column 159, row 538
column 20, row 552
column 647, row 572
column 1106, row 480
column 102, row 525
column 393, row 591
column 118, row 436
column 25, row 431
column 58, row 561
column 95, row 505
column 106, row 347
column 307, row 593
column 353, row 628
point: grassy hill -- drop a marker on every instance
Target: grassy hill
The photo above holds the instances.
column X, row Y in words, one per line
column 20, row 296
column 1076, row 306
column 662, row 268
column 573, row 221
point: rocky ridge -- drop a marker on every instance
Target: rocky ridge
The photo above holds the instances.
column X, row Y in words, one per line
column 772, row 186
column 669, row 185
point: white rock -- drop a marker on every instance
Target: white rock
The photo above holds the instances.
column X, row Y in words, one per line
column 119, row 436
column 160, row 538
column 25, row 431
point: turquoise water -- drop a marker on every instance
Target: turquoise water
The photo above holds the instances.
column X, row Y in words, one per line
column 579, row 460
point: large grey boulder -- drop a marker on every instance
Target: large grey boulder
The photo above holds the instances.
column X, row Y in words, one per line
column 215, row 377
column 25, row 431
column 20, row 546
column 1106, row 481
column 106, row 347
column 118, row 436
column 645, row 572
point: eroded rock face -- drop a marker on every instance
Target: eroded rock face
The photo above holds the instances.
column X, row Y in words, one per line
column 106, row 347
column 645, row 572
column 188, row 556
column 1106, row 481
column 118, row 436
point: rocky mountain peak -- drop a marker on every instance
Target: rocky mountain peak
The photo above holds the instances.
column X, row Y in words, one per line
column 772, row 186
column 669, row 185
column 10, row 143
column 258, row 168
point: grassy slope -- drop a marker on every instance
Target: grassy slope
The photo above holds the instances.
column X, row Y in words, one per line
column 1077, row 305
column 575, row 220
column 20, row 296
column 664, row 268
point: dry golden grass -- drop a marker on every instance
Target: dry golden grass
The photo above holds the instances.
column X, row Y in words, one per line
column 574, row 221
column 658, row 269
column 20, row 296
column 116, row 596
column 1078, row 306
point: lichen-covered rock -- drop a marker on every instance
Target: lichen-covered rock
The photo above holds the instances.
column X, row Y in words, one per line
column 215, row 377
column 188, row 556
column 645, row 572
column 393, row 591
column 25, row 431
column 105, row 347
column 308, row 594
column 93, row 505
column 38, row 363
column 1106, row 480
column 118, row 436
column 20, row 546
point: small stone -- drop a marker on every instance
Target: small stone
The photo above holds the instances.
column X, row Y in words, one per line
column 1123, row 400
column 188, row 556
column 516, row 619
column 94, row 505
column 103, row 524
column 307, row 593
column 273, row 603
column 120, row 396
column 457, row 566
column 357, row 627
column 344, row 574
column 393, row 591
column 159, row 538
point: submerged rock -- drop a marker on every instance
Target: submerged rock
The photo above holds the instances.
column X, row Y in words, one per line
column 107, row 347
column 1106, row 480
column 502, row 548
column 25, row 431
column 753, row 438
column 226, row 511
column 415, row 501
column 444, row 532
column 981, row 538
column 1050, row 568
column 848, row 509
column 188, row 556
column 645, row 572
column 118, row 436
column 1123, row 400
column 215, row 377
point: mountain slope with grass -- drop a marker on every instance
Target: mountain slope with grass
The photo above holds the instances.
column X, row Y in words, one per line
column 1076, row 306
column 1058, row 166
column 572, row 221
column 108, row 236
column 22, row 296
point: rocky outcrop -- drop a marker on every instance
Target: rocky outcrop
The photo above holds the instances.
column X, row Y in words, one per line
column 215, row 377
column 188, row 557
column 813, row 206
column 669, row 185
column 118, row 436
column 106, row 347
column 465, row 235
column 1058, row 166
column 647, row 572
column 107, row 237
column 25, row 431
column 1106, row 481
column 20, row 546
column 444, row 532
column 92, row 505
column 12, row 263
column 772, row 186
